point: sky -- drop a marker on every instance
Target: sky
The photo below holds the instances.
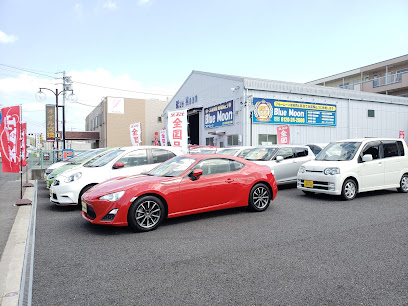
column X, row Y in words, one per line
column 148, row 48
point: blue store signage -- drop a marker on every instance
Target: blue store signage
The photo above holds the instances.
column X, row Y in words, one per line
column 293, row 112
column 219, row 115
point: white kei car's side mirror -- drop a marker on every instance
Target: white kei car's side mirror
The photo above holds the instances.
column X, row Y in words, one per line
column 367, row 157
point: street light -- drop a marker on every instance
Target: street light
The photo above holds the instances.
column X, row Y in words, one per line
column 40, row 96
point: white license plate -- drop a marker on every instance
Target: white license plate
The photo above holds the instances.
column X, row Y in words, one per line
column 84, row 207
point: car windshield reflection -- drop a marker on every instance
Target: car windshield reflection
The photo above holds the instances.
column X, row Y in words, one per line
column 339, row 151
column 173, row 167
column 261, row 154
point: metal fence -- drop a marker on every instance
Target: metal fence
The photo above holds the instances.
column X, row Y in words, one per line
column 41, row 159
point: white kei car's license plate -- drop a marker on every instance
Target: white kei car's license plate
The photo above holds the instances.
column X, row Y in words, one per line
column 308, row 184
column 50, row 192
column 84, row 207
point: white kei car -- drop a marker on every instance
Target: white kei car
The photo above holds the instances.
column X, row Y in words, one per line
column 351, row 166
column 68, row 187
column 284, row 160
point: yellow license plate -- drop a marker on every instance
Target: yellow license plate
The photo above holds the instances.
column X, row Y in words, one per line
column 308, row 184
column 84, row 207
column 50, row 192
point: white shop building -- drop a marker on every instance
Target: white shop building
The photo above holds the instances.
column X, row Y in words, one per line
column 226, row 110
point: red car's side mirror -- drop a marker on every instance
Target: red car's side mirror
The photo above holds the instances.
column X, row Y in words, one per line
column 196, row 174
column 118, row 165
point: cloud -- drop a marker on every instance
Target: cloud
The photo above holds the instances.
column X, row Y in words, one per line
column 79, row 10
column 144, row 2
column 7, row 39
column 110, row 5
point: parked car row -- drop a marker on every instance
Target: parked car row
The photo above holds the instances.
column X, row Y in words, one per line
column 140, row 186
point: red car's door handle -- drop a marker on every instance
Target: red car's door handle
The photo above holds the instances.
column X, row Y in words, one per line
column 229, row 180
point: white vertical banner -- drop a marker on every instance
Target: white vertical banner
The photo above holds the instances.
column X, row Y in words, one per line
column 136, row 134
column 163, row 137
column 177, row 127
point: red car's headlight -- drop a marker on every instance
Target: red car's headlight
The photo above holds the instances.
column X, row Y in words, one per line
column 112, row 197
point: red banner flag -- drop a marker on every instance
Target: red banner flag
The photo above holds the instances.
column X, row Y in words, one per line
column 24, row 144
column 10, row 139
column 283, row 134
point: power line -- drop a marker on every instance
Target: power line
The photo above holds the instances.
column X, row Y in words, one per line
column 28, row 70
column 87, row 84
column 119, row 89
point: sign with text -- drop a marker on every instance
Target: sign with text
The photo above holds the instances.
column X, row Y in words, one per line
column 219, row 115
column 163, row 137
column 402, row 134
column 50, row 122
column 136, row 134
column 116, row 105
column 67, row 153
column 293, row 112
column 24, row 144
column 177, row 127
column 156, row 138
column 283, row 134
column 10, row 137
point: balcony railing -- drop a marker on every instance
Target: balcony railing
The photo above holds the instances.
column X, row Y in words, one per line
column 377, row 82
column 387, row 80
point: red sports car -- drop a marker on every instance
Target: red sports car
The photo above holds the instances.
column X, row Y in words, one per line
column 183, row 185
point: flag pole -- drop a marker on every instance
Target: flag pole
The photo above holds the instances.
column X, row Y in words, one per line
column 21, row 201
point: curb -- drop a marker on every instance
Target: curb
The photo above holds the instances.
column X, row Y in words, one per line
column 12, row 260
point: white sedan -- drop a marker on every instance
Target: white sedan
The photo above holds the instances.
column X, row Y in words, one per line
column 284, row 160
column 70, row 185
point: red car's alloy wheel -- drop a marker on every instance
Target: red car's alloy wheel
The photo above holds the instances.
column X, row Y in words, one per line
column 146, row 214
column 259, row 197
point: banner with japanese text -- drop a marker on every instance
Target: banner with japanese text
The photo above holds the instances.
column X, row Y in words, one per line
column 136, row 134
column 283, row 134
column 156, row 138
column 163, row 137
column 10, row 139
column 293, row 112
column 50, row 122
column 177, row 127
column 24, row 144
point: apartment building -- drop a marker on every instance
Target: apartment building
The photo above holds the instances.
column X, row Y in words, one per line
column 389, row 77
column 113, row 116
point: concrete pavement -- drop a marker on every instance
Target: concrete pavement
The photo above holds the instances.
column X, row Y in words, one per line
column 14, row 222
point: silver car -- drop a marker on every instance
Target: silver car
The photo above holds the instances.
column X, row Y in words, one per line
column 284, row 160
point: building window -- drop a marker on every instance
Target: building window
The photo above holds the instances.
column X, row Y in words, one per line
column 371, row 113
column 267, row 139
column 209, row 141
column 159, row 119
column 232, row 140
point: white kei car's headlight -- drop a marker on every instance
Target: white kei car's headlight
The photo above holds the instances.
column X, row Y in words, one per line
column 73, row 177
column 302, row 169
column 331, row 171
column 112, row 197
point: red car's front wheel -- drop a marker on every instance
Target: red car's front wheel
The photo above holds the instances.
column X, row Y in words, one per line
column 146, row 214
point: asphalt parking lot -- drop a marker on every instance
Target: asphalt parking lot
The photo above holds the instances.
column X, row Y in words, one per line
column 301, row 251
